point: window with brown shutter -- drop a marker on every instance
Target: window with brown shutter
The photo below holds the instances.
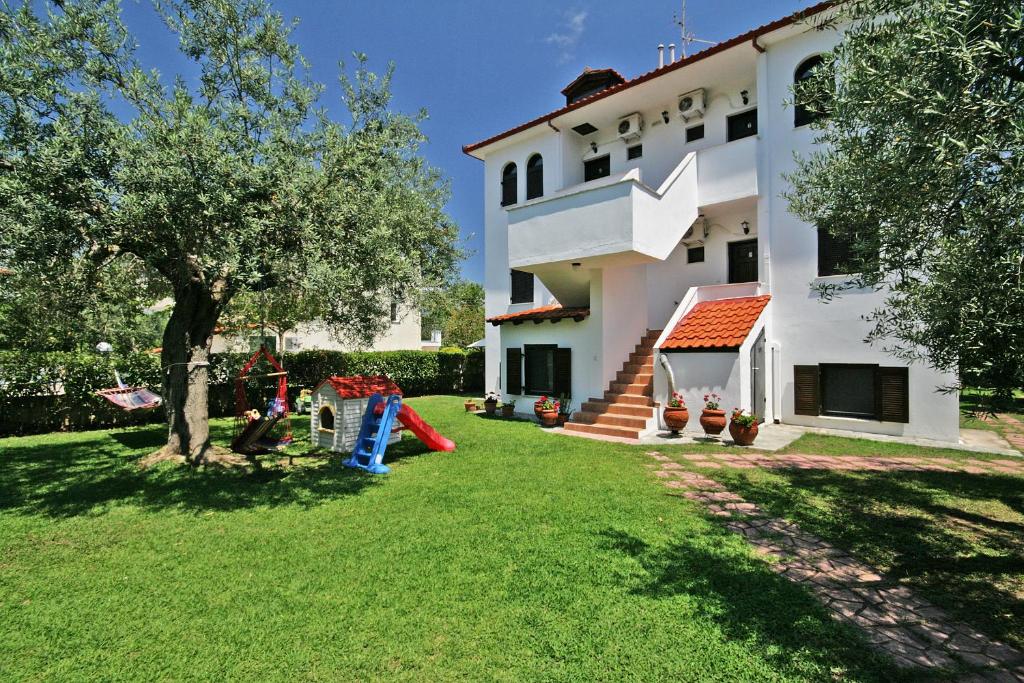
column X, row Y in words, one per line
column 563, row 372
column 892, row 392
column 806, row 397
column 522, row 287
column 834, row 253
column 509, row 182
column 513, row 371
column 534, row 177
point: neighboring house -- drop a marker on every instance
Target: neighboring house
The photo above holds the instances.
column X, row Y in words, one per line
column 403, row 334
column 644, row 221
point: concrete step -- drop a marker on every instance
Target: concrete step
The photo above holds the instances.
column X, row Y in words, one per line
column 634, row 377
column 643, row 388
column 634, row 399
column 609, row 419
column 647, row 366
column 602, row 406
column 641, row 358
column 604, row 430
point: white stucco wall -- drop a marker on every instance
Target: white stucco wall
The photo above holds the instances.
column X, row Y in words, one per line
column 806, row 330
column 627, row 300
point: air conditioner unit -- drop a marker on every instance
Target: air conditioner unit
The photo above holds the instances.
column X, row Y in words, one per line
column 630, row 127
column 691, row 104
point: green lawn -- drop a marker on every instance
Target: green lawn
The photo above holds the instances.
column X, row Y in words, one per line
column 524, row 555
column 956, row 538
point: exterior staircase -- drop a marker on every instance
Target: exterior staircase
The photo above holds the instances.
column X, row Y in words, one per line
column 627, row 409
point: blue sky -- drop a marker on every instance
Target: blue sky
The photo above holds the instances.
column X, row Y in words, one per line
column 478, row 67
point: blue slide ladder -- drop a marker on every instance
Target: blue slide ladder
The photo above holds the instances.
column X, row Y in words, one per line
column 374, row 433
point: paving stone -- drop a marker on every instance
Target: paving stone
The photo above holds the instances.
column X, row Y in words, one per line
column 671, row 466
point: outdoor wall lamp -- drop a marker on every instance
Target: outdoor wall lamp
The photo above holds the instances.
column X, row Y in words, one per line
column 664, row 116
column 746, row 227
column 593, row 147
column 577, row 265
column 745, row 96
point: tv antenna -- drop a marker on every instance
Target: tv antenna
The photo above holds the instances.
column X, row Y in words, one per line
column 687, row 37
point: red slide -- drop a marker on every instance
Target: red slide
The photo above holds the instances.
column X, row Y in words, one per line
column 424, row 432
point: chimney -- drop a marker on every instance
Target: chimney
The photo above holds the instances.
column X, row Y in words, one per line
column 671, row 53
column 661, row 55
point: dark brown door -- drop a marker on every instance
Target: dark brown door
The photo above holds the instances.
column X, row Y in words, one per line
column 743, row 261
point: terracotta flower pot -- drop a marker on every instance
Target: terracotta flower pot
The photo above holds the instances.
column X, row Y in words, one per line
column 470, row 406
column 549, row 418
column 490, row 407
column 508, row 410
column 743, row 436
column 676, row 418
column 713, row 421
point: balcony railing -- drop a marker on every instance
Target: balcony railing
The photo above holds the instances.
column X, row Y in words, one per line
column 727, row 172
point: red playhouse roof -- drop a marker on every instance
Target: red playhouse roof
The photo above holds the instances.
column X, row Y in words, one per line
column 716, row 325
column 361, row 387
column 554, row 313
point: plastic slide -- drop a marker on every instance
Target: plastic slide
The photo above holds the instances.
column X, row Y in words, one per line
column 411, row 420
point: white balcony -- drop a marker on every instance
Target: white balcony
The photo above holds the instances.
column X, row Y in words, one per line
column 727, row 172
column 612, row 221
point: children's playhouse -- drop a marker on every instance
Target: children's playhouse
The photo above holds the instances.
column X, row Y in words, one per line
column 363, row 416
column 337, row 409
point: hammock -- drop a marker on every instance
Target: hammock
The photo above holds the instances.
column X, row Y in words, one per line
column 130, row 398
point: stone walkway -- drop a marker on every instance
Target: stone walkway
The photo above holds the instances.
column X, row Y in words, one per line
column 1014, row 433
column 744, row 460
column 913, row 631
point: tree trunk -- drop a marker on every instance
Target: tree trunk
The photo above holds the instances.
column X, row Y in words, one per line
column 185, row 357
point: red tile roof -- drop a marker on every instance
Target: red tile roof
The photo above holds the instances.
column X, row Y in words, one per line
column 553, row 313
column 716, row 325
column 360, row 386
column 590, row 73
column 749, row 36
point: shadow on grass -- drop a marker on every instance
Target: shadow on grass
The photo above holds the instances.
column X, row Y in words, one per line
column 751, row 604
column 956, row 537
column 81, row 473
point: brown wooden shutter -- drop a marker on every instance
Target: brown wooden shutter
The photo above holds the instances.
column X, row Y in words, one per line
column 513, row 371
column 892, row 393
column 563, row 372
column 806, row 397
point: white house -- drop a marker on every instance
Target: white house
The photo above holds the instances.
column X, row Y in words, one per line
column 401, row 334
column 641, row 226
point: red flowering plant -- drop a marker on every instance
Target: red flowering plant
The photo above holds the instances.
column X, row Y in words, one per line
column 743, row 418
column 676, row 400
column 712, row 401
column 545, row 403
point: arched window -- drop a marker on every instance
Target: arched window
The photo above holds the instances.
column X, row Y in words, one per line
column 508, row 185
column 809, row 108
column 534, row 177
column 326, row 418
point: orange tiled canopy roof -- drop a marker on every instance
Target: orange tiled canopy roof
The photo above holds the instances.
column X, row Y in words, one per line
column 716, row 325
column 554, row 313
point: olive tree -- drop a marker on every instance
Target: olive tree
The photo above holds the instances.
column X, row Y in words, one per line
column 232, row 182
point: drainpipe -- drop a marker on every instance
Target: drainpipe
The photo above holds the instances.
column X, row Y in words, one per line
column 668, row 373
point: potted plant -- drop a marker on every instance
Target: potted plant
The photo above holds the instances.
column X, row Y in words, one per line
column 469, row 404
column 675, row 413
column 491, row 403
column 508, row 409
column 743, row 427
column 564, row 410
column 712, row 419
column 547, row 411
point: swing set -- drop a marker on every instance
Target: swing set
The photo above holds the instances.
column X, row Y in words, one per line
column 266, row 432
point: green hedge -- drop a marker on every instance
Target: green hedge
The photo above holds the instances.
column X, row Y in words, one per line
column 31, row 383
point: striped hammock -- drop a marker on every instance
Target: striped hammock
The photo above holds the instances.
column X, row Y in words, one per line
column 131, row 398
